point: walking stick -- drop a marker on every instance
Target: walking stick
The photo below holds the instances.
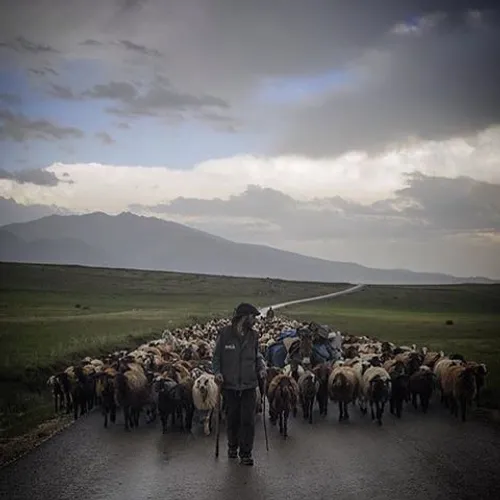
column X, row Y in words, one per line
column 264, row 415
column 217, row 423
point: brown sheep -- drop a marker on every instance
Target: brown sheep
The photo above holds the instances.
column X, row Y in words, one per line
column 480, row 371
column 459, row 388
column 343, row 387
column 442, row 366
column 131, row 393
column 105, row 390
column 308, row 389
column 322, row 373
column 422, row 384
column 411, row 359
column 283, row 395
column 431, row 358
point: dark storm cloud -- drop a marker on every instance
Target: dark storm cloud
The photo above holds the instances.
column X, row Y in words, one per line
column 21, row 44
column 39, row 177
column 158, row 98
column 105, row 138
column 11, row 99
column 215, row 52
column 440, row 84
column 20, row 128
column 141, row 49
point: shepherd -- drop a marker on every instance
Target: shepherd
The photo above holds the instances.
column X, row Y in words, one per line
column 239, row 368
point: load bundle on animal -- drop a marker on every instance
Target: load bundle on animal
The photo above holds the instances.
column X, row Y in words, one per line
column 308, row 343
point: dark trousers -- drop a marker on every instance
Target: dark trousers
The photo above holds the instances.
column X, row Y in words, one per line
column 240, row 408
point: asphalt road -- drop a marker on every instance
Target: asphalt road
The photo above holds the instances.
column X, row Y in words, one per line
column 427, row 457
column 352, row 289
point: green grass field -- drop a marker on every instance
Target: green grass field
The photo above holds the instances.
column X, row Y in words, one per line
column 418, row 314
column 52, row 316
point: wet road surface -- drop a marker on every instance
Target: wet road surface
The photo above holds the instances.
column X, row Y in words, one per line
column 421, row 456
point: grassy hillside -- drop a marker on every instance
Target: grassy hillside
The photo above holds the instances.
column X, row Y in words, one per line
column 418, row 314
column 51, row 316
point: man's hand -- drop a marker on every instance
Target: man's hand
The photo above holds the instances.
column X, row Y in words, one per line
column 219, row 379
column 262, row 383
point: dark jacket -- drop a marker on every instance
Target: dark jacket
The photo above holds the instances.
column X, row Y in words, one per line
column 238, row 359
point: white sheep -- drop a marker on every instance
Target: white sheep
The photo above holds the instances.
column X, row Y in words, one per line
column 205, row 397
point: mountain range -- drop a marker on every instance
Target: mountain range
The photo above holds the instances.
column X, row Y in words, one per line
column 131, row 241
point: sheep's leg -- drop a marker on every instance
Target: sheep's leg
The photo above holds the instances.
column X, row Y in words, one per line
column 285, row 423
column 105, row 418
column 281, row 422
column 294, row 412
column 346, row 411
column 363, row 406
column 399, row 407
column 113, row 413
column 310, row 410
column 453, row 406
column 304, row 409
column 206, row 423
column 380, row 410
column 341, row 413
column 272, row 415
column 163, row 419
column 189, row 418
column 463, row 408
column 75, row 407
column 424, row 402
column 126, row 416
column 68, row 402
column 372, row 411
column 414, row 400
column 154, row 411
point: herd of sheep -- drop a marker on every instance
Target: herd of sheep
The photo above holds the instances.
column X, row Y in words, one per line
column 171, row 377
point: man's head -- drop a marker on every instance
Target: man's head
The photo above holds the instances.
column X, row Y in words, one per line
column 246, row 312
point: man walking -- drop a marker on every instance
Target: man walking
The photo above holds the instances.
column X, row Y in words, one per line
column 239, row 368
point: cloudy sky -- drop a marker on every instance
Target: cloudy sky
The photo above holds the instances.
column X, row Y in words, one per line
column 354, row 131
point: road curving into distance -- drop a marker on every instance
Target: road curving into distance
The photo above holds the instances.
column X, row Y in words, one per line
column 351, row 289
column 432, row 456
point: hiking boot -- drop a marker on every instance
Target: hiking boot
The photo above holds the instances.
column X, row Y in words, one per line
column 232, row 453
column 246, row 460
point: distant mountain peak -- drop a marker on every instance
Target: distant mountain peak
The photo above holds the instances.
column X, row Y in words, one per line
column 128, row 240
